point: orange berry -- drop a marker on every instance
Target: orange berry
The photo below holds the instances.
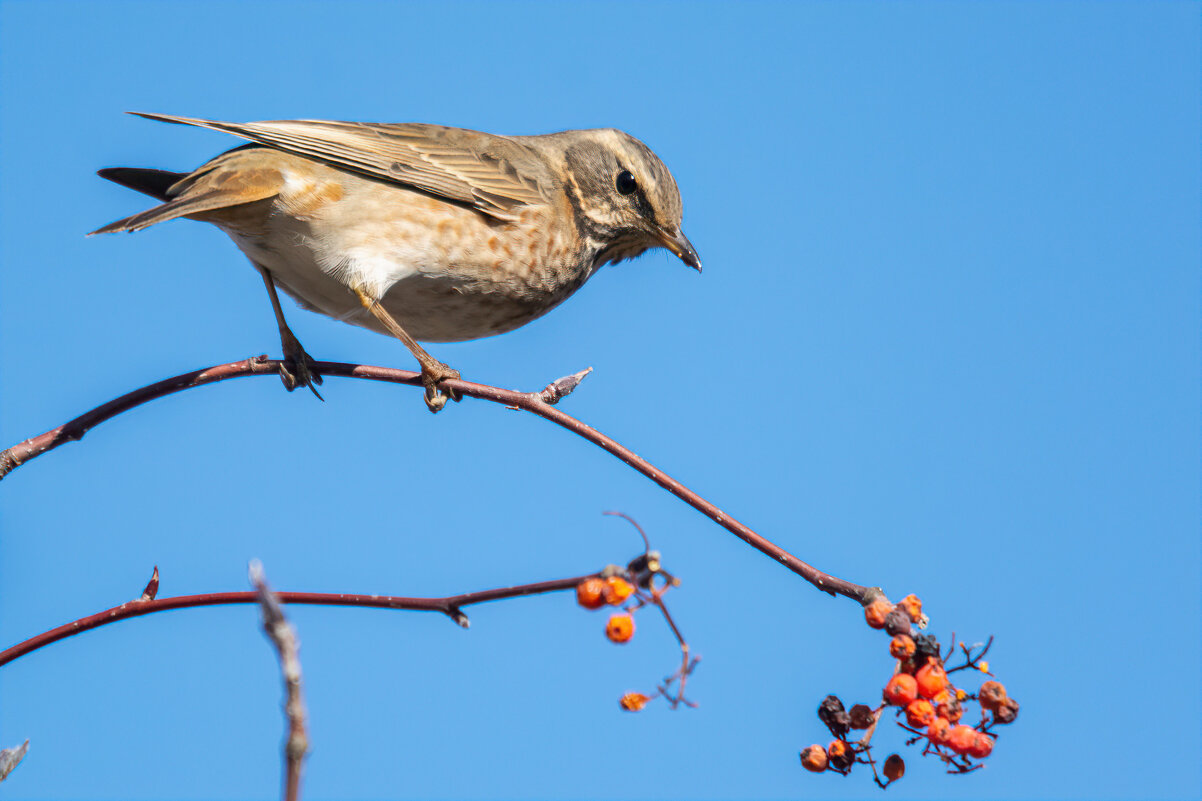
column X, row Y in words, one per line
column 913, row 607
column 902, row 646
column 901, row 690
column 620, row 628
column 876, row 612
column 814, row 758
column 633, row 702
column 895, row 767
column 932, row 679
column 982, row 746
column 939, row 731
column 991, row 695
column 617, row 590
column 590, row 593
column 840, row 755
column 920, row 713
column 961, row 738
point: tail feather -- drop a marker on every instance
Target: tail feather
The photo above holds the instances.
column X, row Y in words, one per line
column 167, row 211
column 149, row 182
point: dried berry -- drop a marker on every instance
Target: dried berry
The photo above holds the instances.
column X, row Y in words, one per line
column 814, row 758
column 902, row 646
column 876, row 612
column 897, row 622
column 1006, row 712
column 831, row 712
column 633, row 702
column 925, row 648
column 840, row 755
column 895, row 767
column 589, row 593
column 920, row 713
column 991, row 695
column 901, row 690
column 861, row 716
column 913, row 607
column 947, row 706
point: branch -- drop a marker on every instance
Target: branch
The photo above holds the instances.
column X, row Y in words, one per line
column 449, row 606
column 539, row 403
column 283, row 637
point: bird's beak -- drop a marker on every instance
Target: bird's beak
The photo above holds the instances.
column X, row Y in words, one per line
column 679, row 244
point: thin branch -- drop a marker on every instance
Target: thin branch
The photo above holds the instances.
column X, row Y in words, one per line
column 11, row 757
column 449, row 606
column 283, row 637
column 534, row 402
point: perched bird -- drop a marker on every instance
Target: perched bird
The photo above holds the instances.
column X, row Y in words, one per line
column 421, row 231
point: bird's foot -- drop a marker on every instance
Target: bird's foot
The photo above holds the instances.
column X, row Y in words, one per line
column 298, row 368
column 436, row 396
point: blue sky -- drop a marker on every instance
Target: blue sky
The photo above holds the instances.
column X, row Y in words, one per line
column 946, row 342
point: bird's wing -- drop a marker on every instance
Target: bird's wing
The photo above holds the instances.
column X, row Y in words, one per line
column 493, row 174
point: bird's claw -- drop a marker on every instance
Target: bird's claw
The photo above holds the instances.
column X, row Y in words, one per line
column 436, row 396
column 298, row 369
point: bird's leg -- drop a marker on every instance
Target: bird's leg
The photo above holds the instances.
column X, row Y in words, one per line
column 433, row 370
column 298, row 368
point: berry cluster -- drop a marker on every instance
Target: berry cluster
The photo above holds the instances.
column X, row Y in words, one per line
column 921, row 691
column 630, row 589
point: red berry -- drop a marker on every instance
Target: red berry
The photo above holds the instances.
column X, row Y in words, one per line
column 932, row 679
column 901, row 690
column 920, row 713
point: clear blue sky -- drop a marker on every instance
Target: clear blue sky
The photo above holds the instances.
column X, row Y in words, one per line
column 946, row 341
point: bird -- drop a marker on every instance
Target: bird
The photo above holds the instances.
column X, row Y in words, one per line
column 425, row 232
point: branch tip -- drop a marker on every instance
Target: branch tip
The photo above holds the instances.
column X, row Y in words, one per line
column 560, row 388
column 11, row 757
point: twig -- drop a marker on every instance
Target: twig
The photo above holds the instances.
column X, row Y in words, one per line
column 534, row 402
column 283, row 637
column 449, row 606
column 11, row 757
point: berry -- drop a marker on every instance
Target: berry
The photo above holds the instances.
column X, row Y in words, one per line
column 861, row 716
column 830, row 712
column 617, row 590
column 1006, row 712
column 920, row 713
column 932, row 679
column 926, row 647
column 814, row 758
column 633, row 702
column 961, row 738
column 620, row 628
column 902, row 646
column 912, row 606
column 589, row 593
column 897, row 622
column 947, row 706
column 876, row 612
column 840, row 756
column 895, row 767
column 939, row 731
column 991, row 695
column 901, row 690
column 982, row 746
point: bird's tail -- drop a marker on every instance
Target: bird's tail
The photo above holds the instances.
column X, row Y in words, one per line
column 157, row 184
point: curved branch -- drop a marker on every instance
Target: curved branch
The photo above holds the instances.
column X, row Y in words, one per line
column 449, row 606
column 539, row 403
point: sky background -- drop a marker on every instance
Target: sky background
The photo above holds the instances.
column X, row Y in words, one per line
column 946, row 342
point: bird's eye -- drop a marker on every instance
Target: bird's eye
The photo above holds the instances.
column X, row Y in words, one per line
column 626, row 183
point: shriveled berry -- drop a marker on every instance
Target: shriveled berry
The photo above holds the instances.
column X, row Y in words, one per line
column 948, row 706
column 938, row 731
column 1006, row 712
column 876, row 612
column 982, row 746
column 589, row 593
column 925, row 648
column 861, row 716
column 633, row 702
column 617, row 590
column 991, row 695
column 961, row 738
column 901, row 690
column 920, row 713
column 620, row 628
column 932, row 679
column 831, row 712
column 895, row 767
column 814, row 758
column 913, row 607
column 840, row 755
column 897, row 622
column 902, row 646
